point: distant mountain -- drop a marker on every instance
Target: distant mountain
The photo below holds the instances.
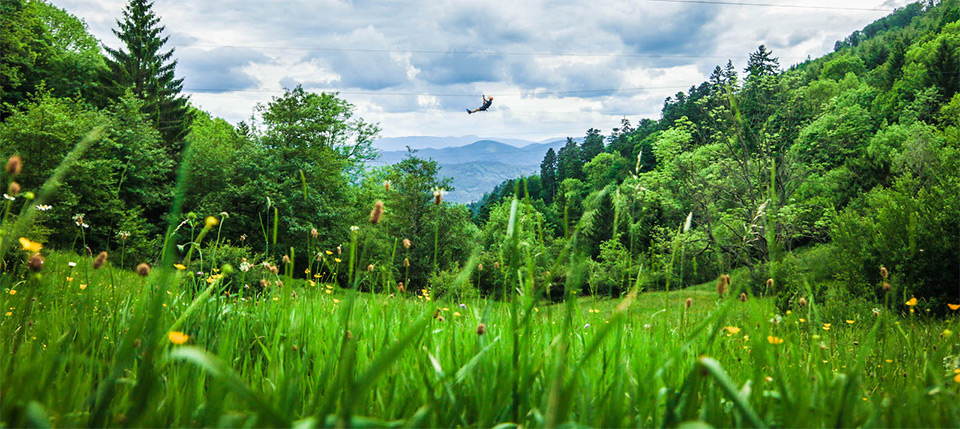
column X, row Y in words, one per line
column 423, row 142
column 479, row 166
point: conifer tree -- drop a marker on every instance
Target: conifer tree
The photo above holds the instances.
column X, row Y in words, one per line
column 144, row 68
column 548, row 175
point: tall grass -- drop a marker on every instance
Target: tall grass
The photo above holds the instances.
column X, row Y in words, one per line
column 95, row 350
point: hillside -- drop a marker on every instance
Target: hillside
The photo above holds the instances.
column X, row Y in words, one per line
column 476, row 168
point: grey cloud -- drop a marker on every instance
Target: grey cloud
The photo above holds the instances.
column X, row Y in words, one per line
column 219, row 69
column 373, row 69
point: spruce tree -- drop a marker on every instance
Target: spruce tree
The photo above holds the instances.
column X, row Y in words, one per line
column 141, row 66
column 548, row 175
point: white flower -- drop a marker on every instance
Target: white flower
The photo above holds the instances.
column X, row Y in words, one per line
column 586, row 326
column 354, row 228
column 44, row 207
column 245, row 266
column 9, row 197
column 463, row 305
column 71, row 264
column 647, row 326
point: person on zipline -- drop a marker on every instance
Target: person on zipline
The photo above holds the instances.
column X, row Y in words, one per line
column 487, row 101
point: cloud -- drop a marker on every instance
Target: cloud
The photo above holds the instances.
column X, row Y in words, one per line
column 371, row 67
column 218, row 70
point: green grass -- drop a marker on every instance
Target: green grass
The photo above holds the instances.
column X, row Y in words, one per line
column 300, row 355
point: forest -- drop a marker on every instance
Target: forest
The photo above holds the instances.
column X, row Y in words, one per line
column 164, row 267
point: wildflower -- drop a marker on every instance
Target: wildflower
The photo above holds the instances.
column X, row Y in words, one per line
column 688, row 303
column 14, row 165
column 100, row 260
column 337, row 260
column 44, row 207
column 722, row 284
column 36, row 262
column 177, row 337
column 586, row 326
column 69, row 279
column 956, row 378
column 774, row 340
column 731, row 330
column 377, row 212
column 946, row 333
column 953, row 307
column 876, row 311
column 78, row 219
column 8, row 197
column 456, row 314
column 802, row 320
column 13, row 189
column 285, row 259
column 83, row 286
column 789, row 312
column 826, row 326
column 243, row 237
column 481, row 329
column 407, row 243
column 884, row 273
column 123, row 235
column 386, row 185
column 245, row 266
column 336, row 301
column 742, row 297
column 647, row 326
column 406, row 262
column 850, row 322
column 437, row 196
column 71, row 264
column 911, row 302
column 479, row 267
column 802, row 301
column 770, row 283
column 30, row 246
column 461, row 305
column 264, row 283
column 13, row 291
column 354, row 228
column 180, row 267
column 8, row 314
column 314, row 233
column 593, row 310
column 370, row 268
column 886, row 287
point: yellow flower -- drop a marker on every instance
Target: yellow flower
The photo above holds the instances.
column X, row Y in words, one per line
column 329, row 291
column 337, row 260
column 8, row 314
column 13, row 291
column 593, row 310
column 826, row 326
column 954, row 307
column 888, row 360
column 211, row 222
column 328, row 252
column 802, row 320
column 731, row 330
column 956, row 378
column 789, row 312
column 850, row 322
column 774, row 340
column 336, row 301
column 83, row 286
column 911, row 302
column 69, row 279
column 30, row 246
column 456, row 314
column 177, row 337
column 180, row 267
column 946, row 333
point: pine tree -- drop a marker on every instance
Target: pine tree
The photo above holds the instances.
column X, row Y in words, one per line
column 569, row 163
column 592, row 145
column 762, row 63
column 142, row 67
column 548, row 175
column 944, row 70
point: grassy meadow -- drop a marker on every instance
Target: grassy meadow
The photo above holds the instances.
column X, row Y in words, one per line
column 311, row 354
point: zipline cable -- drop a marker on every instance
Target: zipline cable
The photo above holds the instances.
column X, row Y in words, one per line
column 791, row 6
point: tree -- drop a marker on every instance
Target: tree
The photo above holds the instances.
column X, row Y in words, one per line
column 762, row 63
column 143, row 67
column 592, row 145
column 569, row 161
column 22, row 49
column 548, row 175
column 945, row 70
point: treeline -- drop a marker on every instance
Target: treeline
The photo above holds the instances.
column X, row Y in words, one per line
column 853, row 154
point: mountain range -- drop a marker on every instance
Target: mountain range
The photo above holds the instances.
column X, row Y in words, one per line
column 477, row 167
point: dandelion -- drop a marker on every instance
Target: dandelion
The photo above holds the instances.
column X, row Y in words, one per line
column 14, row 165
column 210, row 222
column 30, row 246
column 13, row 189
column 36, row 262
column 826, row 326
column 336, row 301
column 456, row 314
column 143, row 269
column 69, row 279
column 946, row 333
column 911, row 302
column 180, row 267
column 377, row 212
column 100, row 260
column 731, row 330
column 956, row 378
column 13, row 292
column 337, row 260
column 802, row 320
column 407, row 243
column 177, row 337
column 953, row 307
column 83, row 286
column 774, row 340
column 8, row 314
column 44, row 207
column 850, row 322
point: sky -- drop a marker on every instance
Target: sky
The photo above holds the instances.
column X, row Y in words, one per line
column 555, row 68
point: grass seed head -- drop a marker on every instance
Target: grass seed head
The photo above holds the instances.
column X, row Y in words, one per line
column 286, row 260
column 371, row 267
column 36, row 262
column 886, row 287
column 802, row 301
column 742, row 297
column 14, row 165
column 406, row 262
column 688, row 303
column 13, row 189
column 143, row 269
column 407, row 243
column 400, row 287
column 386, row 185
column 437, row 196
column 884, row 274
column 377, row 213
column 314, row 233
column 771, row 283
column 722, row 284
column 100, row 259
column 481, row 329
